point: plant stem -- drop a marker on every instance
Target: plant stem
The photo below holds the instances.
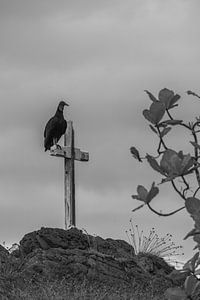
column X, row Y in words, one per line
column 177, row 190
column 164, row 215
column 161, row 141
column 196, row 153
column 187, row 185
column 196, row 191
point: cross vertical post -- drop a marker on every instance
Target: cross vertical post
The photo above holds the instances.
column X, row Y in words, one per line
column 70, row 154
column 70, row 215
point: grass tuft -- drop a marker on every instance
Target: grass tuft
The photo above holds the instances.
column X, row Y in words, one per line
column 153, row 244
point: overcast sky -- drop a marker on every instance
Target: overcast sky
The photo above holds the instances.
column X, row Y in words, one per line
column 100, row 56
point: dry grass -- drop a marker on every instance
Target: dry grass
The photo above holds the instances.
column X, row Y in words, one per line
column 62, row 290
column 14, row 289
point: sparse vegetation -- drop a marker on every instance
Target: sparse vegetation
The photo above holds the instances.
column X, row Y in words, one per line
column 153, row 244
column 68, row 290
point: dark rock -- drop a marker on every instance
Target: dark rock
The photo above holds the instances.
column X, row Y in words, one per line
column 52, row 254
column 4, row 254
column 8, row 266
column 47, row 238
column 117, row 248
column 3, row 251
column 153, row 264
column 56, row 253
column 58, row 263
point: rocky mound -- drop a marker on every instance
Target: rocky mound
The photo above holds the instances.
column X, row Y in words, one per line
column 48, row 238
column 51, row 254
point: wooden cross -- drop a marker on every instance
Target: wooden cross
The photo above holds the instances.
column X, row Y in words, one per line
column 69, row 153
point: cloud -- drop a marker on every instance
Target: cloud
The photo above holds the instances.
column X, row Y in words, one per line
column 100, row 56
column 66, row 36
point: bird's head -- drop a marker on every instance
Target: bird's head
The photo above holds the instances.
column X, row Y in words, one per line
column 61, row 105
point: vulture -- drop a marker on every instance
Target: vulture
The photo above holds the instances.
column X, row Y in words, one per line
column 55, row 127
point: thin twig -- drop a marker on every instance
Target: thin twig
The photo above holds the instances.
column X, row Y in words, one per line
column 186, row 184
column 177, row 190
column 196, row 154
column 169, row 115
column 161, row 141
column 180, row 124
column 164, row 215
column 196, row 191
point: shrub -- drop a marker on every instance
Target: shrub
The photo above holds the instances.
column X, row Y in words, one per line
column 176, row 168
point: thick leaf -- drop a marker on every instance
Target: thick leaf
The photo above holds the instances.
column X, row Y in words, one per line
column 142, row 192
column 191, row 233
column 174, row 163
column 168, row 98
column 158, row 110
column 174, row 100
column 144, row 195
column 191, row 264
column 135, row 153
column 175, row 294
column 155, row 113
column 190, row 284
column 153, row 129
column 165, row 96
column 149, row 116
column 165, row 131
column 171, row 162
column 192, row 205
column 136, row 197
column 152, row 193
column 151, row 96
column 153, row 163
column 186, row 164
column 172, row 122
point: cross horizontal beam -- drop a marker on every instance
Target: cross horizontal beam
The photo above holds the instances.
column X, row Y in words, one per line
column 66, row 152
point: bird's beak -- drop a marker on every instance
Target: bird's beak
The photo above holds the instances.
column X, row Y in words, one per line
column 66, row 104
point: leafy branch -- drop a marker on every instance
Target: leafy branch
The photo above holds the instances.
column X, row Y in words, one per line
column 173, row 165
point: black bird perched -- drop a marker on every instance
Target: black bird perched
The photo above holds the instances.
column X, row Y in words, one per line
column 55, row 127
